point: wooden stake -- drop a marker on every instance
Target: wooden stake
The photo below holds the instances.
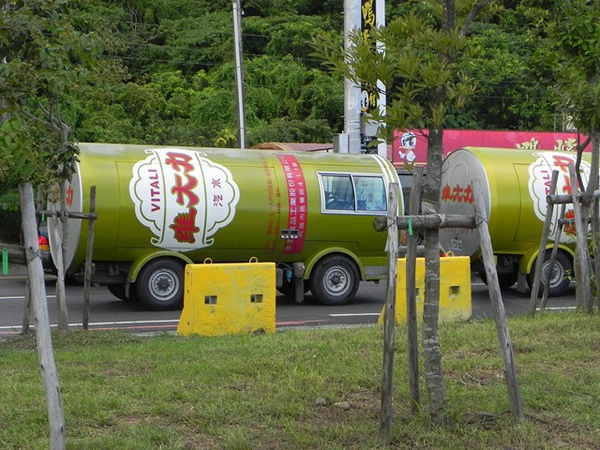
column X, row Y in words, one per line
column 385, row 429
column 510, row 371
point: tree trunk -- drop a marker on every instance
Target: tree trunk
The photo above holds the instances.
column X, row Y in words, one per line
column 594, row 185
column 41, row 319
column 581, row 207
column 55, row 230
column 431, row 344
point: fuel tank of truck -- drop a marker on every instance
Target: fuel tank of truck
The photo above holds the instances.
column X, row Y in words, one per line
column 515, row 183
column 227, row 204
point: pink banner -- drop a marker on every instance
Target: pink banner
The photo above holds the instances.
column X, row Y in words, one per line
column 297, row 203
column 411, row 146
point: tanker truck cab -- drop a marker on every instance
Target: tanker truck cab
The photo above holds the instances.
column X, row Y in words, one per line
column 515, row 185
column 161, row 208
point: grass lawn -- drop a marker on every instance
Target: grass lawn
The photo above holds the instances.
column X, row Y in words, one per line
column 305, row 389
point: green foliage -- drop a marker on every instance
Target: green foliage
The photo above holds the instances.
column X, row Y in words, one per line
column 496, row 60
column 290, row 130
column 10, row 218
column 46, row 58
column 568, row 60
column 420, row 84
column 167, row 76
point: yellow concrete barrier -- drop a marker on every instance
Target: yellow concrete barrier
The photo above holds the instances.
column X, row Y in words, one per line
column 222, row 299
column 455, row 290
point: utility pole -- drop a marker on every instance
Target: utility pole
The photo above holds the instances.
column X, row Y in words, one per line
column 350, row 138
column 239, row 73
column 358, row 102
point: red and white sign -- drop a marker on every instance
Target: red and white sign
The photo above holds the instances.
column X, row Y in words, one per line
column 297, row 202
column 410, row 147
column 183, row 197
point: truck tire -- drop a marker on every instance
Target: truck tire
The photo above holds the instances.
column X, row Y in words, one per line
column 505, row 280
column 334, row 280
column 118, row 290
column 560, row 278
column 160, row 284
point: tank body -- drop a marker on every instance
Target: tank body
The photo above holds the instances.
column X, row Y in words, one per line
column 228, row 205
column 515, row 185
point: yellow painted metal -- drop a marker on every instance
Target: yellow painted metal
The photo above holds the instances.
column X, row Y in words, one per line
column 455, row 290
column 222, row 299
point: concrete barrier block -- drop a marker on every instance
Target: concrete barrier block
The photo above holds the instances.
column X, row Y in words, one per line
column 223, row 299
column 455, row 290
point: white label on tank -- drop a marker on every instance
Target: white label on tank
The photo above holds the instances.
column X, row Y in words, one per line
column 456, row 245
column 182, row 197
column 540, row 174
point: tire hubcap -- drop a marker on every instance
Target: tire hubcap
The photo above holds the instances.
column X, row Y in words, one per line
column 164, row 285
column 336, row 282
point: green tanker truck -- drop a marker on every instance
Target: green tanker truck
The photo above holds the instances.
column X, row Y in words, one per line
column 160, row 208
column 515, row 183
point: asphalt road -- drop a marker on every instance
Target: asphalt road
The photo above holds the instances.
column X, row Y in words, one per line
column 107, row 312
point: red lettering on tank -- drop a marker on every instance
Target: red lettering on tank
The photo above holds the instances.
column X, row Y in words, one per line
column 546, row 180
column 180, row 190
column 70, row 195
column 569, row 228
column 180, row 162
column 561, row 163
column 184, row 226
column 155, row 198
column 457, row 194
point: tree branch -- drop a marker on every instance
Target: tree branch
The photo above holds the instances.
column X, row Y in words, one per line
column 476, row 9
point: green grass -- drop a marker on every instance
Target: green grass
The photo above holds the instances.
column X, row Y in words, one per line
column 122, row 391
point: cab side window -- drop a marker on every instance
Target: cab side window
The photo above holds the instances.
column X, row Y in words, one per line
column 350, row 192
column 370, row 192
column 339, row 192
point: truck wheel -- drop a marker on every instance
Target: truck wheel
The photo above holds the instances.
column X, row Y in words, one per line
column 118, row 290
column 505, row 280
column 559, row 276
column 160, row 285
column 334, row 280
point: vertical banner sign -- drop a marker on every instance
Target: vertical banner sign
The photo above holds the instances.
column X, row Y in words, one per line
column 369, row 96
column 297, row 202
column 373, row 98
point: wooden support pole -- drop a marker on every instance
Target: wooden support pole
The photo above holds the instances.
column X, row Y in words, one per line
column 508, row 357
column 17, row 254
column 566, row 198
column 539, row 263
column 56, row 417
column 583, row 291
column 429, row 221
column 411, row 296
column 55, row 230
column 385, row 428
column 88, row 260
column 69, row 214
column 544, row 301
